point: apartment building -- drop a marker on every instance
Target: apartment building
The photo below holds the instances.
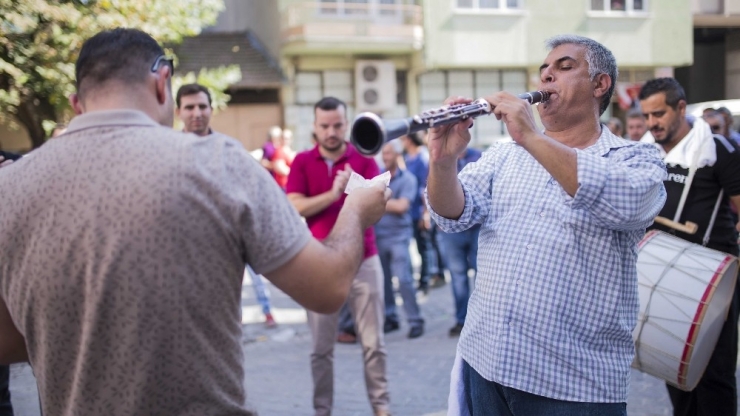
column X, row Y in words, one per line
column 398, row 57
column 715, row 73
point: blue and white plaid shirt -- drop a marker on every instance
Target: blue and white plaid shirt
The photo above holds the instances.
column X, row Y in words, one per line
column 555, row 298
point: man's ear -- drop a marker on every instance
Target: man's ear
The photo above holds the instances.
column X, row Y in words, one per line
column 74, row 102
column 162, row 82
column 602, row 83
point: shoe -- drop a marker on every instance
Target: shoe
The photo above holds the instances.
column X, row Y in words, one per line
column 390, row 326
column 456, row 330
column 270, row 321
column 381, row 413
column 437, row 281
column 424, row 288
column 346, row 338
column 416, row 332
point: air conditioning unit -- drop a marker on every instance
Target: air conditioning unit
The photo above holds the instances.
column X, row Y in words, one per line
column 375, row 85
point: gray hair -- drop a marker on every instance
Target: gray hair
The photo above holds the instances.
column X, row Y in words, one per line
column 396, row 145
column 600, row 61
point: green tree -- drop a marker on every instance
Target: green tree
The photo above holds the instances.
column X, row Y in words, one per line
column 40, row 40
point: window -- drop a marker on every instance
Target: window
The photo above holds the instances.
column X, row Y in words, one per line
column 488, row 4
column 358, row 7
column 619, row 5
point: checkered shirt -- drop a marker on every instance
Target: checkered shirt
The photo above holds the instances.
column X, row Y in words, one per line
column 555, row 298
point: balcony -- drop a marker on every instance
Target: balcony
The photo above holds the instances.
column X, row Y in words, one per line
column 344, row 27
column 716, row 13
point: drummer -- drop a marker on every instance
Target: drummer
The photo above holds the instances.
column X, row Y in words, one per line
column 684, row 141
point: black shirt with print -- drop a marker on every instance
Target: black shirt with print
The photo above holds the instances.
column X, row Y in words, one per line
column 708, row 181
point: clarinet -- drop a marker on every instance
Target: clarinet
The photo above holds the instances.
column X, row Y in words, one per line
column 369, row 132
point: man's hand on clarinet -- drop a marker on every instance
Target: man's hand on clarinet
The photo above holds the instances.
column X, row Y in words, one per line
column 447, row 142
column 516, row 114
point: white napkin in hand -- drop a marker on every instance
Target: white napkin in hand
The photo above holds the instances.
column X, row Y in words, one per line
column 357, row 181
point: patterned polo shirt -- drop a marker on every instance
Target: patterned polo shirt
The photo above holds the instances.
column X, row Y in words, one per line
column 124, row 247
column 555, row 297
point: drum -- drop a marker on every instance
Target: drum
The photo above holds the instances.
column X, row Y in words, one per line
column 685, row 293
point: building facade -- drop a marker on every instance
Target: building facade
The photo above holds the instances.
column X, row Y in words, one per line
column 399, row 57
column 424, row 51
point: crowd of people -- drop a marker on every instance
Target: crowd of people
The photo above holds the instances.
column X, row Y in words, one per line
column 126, row 242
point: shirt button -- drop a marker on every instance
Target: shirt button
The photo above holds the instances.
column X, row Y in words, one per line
column 529, row 246
column 542, row 214
column 518, row 282
column 511, row 323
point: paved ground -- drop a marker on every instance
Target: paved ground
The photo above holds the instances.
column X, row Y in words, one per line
column 278, row 377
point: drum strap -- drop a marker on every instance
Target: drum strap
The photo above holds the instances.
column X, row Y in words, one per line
column 687, row 186
column 705, row 240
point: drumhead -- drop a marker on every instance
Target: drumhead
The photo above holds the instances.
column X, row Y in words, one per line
column 685, row 292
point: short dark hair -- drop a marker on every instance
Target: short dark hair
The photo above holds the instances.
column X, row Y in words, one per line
column 724, row 111
column 329, row 103
column 417, row 138
column 120, row 54
column 635, row 113
column 669, row 86
column 191, row 89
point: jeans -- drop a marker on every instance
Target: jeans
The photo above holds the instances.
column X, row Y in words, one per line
column 6, row 408
column 460, row 251
column 487, row 398
column 260, row 290
column 396, row 261
column 428, row 254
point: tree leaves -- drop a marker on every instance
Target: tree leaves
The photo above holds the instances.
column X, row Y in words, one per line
column 40, row 41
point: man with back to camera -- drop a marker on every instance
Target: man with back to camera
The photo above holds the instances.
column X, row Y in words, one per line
column 549, row 324
column 681, row 140
column 125, row 247
column 316, row 184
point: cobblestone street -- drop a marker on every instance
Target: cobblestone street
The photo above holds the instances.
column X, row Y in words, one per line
column 278, row 378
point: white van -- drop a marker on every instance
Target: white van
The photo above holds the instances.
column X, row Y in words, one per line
column 697, row 109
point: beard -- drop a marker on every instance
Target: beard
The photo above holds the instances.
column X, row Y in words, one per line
column 326, row 143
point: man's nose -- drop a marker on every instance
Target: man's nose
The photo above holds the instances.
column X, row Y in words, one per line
column 546, row 75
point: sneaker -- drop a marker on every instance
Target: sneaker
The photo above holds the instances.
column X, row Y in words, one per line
column 346, row 338
column 423, row 288
column 390, row 326
column 416, row 331
column 456, row 330
column 270, row 321
column 437, row 281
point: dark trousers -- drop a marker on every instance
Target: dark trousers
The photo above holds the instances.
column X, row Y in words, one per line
column 428, row 254
column 716, row 393
column 487, row 398
column 6, row 409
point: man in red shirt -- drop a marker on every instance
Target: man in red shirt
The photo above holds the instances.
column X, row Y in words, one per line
column 316, row 186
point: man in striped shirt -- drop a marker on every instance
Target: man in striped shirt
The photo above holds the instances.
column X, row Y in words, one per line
column 549, row 324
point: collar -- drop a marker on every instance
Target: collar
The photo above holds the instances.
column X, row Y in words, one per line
column 110, row 118
column 606, row 142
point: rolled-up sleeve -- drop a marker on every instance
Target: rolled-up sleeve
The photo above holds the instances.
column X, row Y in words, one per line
column 475, row 179
column 622, row 189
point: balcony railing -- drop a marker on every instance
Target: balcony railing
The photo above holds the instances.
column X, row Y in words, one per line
column 344, row 22
column 716, row 13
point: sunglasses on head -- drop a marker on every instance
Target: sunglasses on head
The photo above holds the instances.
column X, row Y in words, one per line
column 164, row 59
